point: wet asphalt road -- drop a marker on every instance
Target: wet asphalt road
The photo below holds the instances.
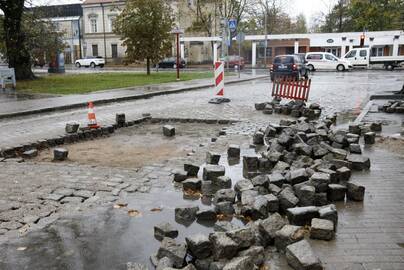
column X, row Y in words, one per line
column 336, row 92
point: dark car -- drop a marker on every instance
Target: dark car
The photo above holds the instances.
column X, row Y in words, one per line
column 235, row 60
column 288, row 66
column 171, row 62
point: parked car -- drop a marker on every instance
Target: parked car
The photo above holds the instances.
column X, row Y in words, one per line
column 362, row 57
column 171, row 62
column 235, row 60
column 288, row 66
column 90, row 61
column 326, row 61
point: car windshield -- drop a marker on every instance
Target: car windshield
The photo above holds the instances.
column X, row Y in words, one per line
column 351, row 54
column 283, row 60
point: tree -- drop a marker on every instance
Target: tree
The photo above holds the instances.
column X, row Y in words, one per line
column 338, row 18
column 17, row 54
column 24, row 33
column 376, row 15
column 362, row 15
column 144, row 26
column 300, row 26
column 208, row 12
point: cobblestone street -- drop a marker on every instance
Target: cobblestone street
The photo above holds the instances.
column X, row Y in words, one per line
column 97, row 210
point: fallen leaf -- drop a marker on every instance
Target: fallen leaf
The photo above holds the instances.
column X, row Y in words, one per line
column 120, row 205
column 192, row 193
column 21, row 248
column 156, row 209
column 134, row 213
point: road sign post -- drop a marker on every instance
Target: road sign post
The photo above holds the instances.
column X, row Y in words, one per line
column 177, row 32
column 232, row 27
column 240, row 38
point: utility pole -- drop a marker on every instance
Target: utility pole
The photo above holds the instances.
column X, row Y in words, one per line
column 266, row 39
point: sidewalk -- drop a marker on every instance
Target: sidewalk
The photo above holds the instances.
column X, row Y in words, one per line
column 34, row 106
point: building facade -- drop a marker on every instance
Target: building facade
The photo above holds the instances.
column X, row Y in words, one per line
column 98, row 24
column 67, row 20
column 88, row 31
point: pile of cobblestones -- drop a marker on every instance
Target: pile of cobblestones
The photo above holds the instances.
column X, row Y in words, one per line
column 392, row 106
column 295, row 108
column 286, row 194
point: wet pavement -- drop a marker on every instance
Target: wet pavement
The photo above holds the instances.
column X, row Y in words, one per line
column 336, row 92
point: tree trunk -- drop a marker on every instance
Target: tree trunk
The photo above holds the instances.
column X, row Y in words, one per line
column 18, row 55
column 148, row 65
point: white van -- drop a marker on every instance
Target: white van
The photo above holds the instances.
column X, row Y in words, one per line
column 362, row 57
column 326, row 61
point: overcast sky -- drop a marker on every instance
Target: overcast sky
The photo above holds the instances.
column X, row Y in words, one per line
column 307, row 7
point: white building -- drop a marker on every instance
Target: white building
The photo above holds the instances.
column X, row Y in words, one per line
column 98, row 38
column 383, row 43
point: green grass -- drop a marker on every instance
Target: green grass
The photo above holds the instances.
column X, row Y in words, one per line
column 84, row 83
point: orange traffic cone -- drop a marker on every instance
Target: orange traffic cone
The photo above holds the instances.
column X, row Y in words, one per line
column 92, row 121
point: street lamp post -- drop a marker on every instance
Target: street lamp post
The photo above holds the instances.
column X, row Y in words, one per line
column 177, row 32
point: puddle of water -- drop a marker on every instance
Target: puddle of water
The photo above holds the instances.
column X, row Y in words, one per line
column 108, row 238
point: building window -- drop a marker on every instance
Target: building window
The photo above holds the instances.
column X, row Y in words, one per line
column 316, row 56
column 112, row 20
column 93, row 23
column 377, row 51
column 95, row 49
column 114, row 50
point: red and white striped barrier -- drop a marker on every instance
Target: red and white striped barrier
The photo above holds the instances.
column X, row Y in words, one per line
column 291, row 88
column 219, row 78
column 219, row 84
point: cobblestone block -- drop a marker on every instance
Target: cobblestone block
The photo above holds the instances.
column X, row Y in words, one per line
column 168, row 131
column 369, row 137
column 212, row 158
column 233, row 151
column 336, row 192
column 191, row 169
column 60, row 154
column 187, row 213
column 300, row 256
column 287, row 199
column 289, row 234
column 359, row 162
column 199, row 246
column 212, row 172
column 322, row 229
column 355, row 192
column 175, row 252
column 180, row 175
column 329, row 212
column 192, row 184
column 72, row 127
column 164, row 229
column 30, row 153
column 302, row 215
column 223, row 246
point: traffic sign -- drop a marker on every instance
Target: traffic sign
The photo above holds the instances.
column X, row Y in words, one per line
column 232, row 25
column 240, row 37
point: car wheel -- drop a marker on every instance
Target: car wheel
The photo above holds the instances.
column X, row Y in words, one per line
column 92, row 65
column 78, row 65
column 175, row 66
column 389, row 67
column 340, row 68
column 311, row 68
